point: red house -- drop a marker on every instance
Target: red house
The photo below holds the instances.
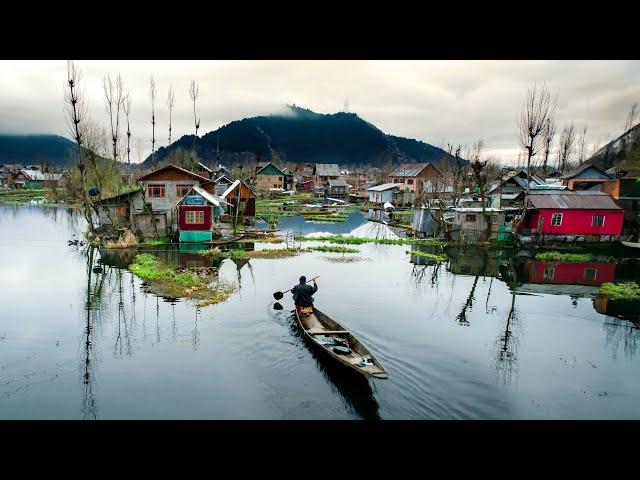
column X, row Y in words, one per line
column 573, row 216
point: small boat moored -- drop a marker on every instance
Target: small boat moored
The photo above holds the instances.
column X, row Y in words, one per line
column 631, row 244
column 339, row 343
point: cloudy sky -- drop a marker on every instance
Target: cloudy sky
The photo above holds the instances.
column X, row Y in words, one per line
column 459, row 101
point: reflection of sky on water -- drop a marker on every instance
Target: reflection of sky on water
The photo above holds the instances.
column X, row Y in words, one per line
column 155, row 358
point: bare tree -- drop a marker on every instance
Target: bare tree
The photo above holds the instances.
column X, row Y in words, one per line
column 193, row 93
column 152, row 93
column 170, row 105
column 549, row 133
column 565, row 149
column 127, row 111
column 76, row 115
column 114, row 99
column 629, row 123
column 537, row 111
column 582, row 151
column 481, row 178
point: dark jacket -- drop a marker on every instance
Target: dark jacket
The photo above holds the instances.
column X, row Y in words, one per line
column 302, row 294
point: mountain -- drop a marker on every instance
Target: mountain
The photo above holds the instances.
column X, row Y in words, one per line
column 301, row 135
column 32, row 149
column 623, row 151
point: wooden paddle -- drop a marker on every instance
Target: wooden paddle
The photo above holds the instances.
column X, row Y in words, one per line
column 279, row 295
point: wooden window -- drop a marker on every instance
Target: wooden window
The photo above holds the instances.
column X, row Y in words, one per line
column 279, row 179
column 597, row 221
column 195, row 217
column 556, row 219
column 470, row 218
column 548, row 273
column 155, row 191
column 182, row 190
column 410, row 181
column 590, row 273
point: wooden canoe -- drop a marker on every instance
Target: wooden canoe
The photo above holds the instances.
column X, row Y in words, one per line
column 631, row 244
column 319, row 329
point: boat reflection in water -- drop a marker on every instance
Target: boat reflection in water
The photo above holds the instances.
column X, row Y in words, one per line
column 354, row 387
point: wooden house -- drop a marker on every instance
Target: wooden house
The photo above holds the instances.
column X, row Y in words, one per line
column 324, row 172
column 197, row 212
column 118, row 210
column 413, row 175
column 240, row 194
column 558, row 215
column 338, row 188
column 27, row 178
column 166, row 185
column 585, row 176
column 222, row 182
column 507, row 190
column 625, row 191
column 269, row 176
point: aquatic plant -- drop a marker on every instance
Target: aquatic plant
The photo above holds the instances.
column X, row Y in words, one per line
column 239, row 254
column 564, row 257
column 325, row 248
column 430, row 256
column 347, row 259
column 163, row 280
column 344, row 239
column 620, row 291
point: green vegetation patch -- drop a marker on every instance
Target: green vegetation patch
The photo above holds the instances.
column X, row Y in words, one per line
column 156, row 241
column 344, row 239
column 165, row 281
column 430, row 256
column 242, row 254
column 564, row 257
column 325, row 248
column 620, row 291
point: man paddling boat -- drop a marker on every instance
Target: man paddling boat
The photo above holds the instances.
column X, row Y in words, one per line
column 303, row 295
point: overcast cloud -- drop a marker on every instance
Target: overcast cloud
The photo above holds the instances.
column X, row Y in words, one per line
column 459, row 101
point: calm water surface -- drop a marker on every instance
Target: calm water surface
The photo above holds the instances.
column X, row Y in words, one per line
column 483, row 336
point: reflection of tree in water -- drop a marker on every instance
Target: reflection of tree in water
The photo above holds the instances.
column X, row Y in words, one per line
column 352, row 386
column 195, row 335
column 462, row 316
column 506, row 347
column 122, row 321
column 92, row 299
column 622, row 332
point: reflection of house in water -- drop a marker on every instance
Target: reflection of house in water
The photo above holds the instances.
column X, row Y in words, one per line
column 627, row 309
column 572, row 278
column 476, row 261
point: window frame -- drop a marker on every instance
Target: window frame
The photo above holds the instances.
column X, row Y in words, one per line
column 160, row 186
column 183, row 186
column 467, row 220
column 553, row 217
column 545, row 276
column 192, row 216
column 593, row 218
column 595, row 273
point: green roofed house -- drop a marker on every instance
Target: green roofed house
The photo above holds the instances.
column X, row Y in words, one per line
column 268, row 177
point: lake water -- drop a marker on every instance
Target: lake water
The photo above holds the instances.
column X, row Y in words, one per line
column 481, row 336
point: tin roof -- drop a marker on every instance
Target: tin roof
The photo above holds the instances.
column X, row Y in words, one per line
column 383, row 187
column 337, row 182
column 584, row 167
column 327, row 170
column 409, row 170
column 32, row 174
column 578, row 200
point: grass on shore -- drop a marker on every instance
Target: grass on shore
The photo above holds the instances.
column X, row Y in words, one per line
column 165, row 281
column 564, row 257
column 430, row 256
column 620, row 291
